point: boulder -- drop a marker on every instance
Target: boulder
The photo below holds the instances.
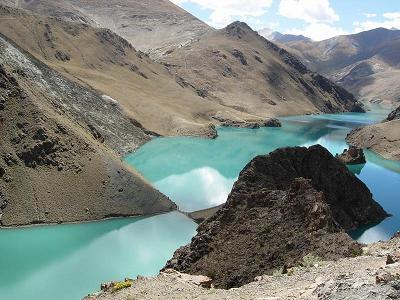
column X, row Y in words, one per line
column 288, row 205
column 352, row 156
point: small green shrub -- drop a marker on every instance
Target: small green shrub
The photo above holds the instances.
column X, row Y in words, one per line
column 121, row 285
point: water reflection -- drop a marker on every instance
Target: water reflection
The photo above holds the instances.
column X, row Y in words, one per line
column 198, row 172
column 198, row 189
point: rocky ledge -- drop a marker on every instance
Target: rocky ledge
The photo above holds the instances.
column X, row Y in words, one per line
column 286, row 205
column 382, row 138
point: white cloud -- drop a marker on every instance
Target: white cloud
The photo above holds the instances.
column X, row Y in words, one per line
column 318, row 31
column 224, row 12
column 391, row 20
column 311, row 11
column 317, row 13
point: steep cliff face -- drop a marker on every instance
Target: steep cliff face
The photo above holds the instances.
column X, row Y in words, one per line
column 59, row 152
column 382, row 138
column 289, row 204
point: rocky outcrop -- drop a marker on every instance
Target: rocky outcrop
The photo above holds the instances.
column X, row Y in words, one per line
column 382, row 138
column 394, row 115
column 352, row 156
column 289, row 204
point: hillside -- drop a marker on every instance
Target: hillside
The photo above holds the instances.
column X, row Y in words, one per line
column 169, row 99
column 153, row 26
column 366, row 63
column 100, row 59
column 59, row 155
column 238, row 68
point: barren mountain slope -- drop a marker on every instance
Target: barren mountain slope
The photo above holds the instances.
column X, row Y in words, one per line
column 238, row 68
column 367, row 63
column 106, row 62
column 154, row 26
column 58, row 155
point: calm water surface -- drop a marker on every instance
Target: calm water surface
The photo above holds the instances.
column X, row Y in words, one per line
column 68, row 261
column 199, row 173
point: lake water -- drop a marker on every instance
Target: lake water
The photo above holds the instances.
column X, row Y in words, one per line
column 66, row 262
column 199, row 173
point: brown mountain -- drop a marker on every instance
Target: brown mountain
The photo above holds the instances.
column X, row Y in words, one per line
column 60, row 149
column 366, row 63
column 169, row 99
column 238, row 68
column 153, row 26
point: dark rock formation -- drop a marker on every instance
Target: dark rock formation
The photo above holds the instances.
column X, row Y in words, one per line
column 394, row 115
column 352, row 156
column 286, row 205
column 61, row 55
column 239, row 55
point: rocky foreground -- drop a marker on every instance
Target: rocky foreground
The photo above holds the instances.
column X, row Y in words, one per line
column 382, row 138
column 374, row 275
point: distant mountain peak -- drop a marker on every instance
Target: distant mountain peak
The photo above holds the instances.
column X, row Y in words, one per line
column 276, row 36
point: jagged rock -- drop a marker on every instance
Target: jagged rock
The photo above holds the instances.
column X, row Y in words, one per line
column 393, row 258
column 61, row 55
column 40, row 154
column 394, row 115
column 96, row 134
column 352, row 156
column 48, row 34
column 239, row 55
column 273, row 217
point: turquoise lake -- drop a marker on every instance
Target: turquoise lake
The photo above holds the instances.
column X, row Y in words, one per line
column 66, row 262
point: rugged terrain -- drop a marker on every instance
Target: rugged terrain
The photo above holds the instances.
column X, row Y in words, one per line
column 364, row 277
column 59, row 155
column 383, row 138
column 366, row 63
column 286, row 205
column 238, row 68
column 153, row 26
column 231, row 74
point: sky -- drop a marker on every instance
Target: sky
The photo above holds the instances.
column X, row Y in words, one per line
column 316, row 19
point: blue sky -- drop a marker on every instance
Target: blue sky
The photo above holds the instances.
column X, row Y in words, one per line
column 318, row 19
